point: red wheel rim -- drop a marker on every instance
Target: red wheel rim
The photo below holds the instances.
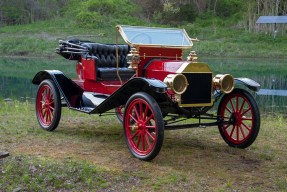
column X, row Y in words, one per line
column 140, row 126
column 120, row 112
column 237, row 109
column 45, row 105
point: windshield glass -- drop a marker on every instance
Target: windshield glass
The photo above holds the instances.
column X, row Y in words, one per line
column 155, row 36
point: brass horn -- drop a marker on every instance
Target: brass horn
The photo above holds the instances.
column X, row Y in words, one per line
column 225, row 82
column 176, row 82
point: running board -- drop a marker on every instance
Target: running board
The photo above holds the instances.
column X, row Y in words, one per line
column 90, row 101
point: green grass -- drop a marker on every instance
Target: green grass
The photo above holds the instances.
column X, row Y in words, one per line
column 88, row 153
column 41, row 38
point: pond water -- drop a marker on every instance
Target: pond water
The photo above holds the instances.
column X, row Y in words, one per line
column 17, row 73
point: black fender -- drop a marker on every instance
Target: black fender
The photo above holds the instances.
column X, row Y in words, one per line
column 238, row 83
column 154, row 87
column 251, row 84
column 69, row 90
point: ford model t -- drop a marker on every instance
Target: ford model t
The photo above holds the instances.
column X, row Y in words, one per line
column 151, row 87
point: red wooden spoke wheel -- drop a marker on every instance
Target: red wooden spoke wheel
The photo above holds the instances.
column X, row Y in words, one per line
column 120, row 113
column 143, row 126
column 240, row 110
column 48, row 105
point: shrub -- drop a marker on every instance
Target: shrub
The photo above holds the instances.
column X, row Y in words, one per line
column 227, row 8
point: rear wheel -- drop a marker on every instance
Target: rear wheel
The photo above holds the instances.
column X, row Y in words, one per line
column 143, row 126
column 241, row 112
column 48, row 105
column 120, row 113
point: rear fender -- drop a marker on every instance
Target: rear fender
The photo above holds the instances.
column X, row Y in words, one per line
column 153, row 87
column 71, row 92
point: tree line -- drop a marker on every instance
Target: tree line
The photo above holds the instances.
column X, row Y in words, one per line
column 15, row 12
column 173, row 12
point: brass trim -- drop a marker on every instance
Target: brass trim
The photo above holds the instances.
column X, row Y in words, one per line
column 197, row 104
column 160, row 56
column 117, row 55
column 194, row 67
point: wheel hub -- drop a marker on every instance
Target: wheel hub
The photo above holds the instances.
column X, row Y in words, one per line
column 237, row 118
column 141, row 126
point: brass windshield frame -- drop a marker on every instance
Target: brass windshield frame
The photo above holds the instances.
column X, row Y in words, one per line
column 125, row 38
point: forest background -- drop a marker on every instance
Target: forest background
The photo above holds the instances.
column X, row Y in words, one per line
column 225, row 27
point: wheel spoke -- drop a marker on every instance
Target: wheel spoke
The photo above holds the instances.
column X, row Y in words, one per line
column 47, row 116
column 242, row 114
column 237, row 133
column 241, row 106
column 139, row 139
column 45, row 113
column 51, row 102
column 133, row 118
column 141, row 110
column 226, row 127
column 150, row 135
column 147, row 141
column 233, row 128
column 247, row 127
column 237, row 98
column 247, row 119
column 51, row 108
column 136, row 112
column 243, row 134
column 228, row 110
column 145, row 113
column 44, row 97
column 136, row 133
column 232, row 105
column 48, row 94
column 151, row 126
column 42, row 102
column 149, row 118
column 52, row 114
column 143, row 142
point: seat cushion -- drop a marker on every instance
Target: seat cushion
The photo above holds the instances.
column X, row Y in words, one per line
column 105, row 73
column 106, row 54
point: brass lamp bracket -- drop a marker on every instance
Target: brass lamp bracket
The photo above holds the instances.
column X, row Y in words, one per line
column 133, row 59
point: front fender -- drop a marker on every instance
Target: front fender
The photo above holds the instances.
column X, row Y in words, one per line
column 251, row 84
column 67, row 88
column 154, row 87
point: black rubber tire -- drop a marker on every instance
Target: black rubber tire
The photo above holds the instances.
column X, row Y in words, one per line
column 240, row 125
column 55, row 106
column 157, row 123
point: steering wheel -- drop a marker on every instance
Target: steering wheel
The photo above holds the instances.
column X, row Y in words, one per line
column 141, row 38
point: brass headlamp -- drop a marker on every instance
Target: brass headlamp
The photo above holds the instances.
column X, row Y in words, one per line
column 225, row 82
column 176, row 82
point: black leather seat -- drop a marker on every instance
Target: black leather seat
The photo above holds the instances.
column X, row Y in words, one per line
column 105, row 58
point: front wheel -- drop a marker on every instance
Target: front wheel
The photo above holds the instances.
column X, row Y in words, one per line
column 143, row 126
column 241, row 117
column 48, row 105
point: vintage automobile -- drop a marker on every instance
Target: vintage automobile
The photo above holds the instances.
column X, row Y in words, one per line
column 151, row 87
